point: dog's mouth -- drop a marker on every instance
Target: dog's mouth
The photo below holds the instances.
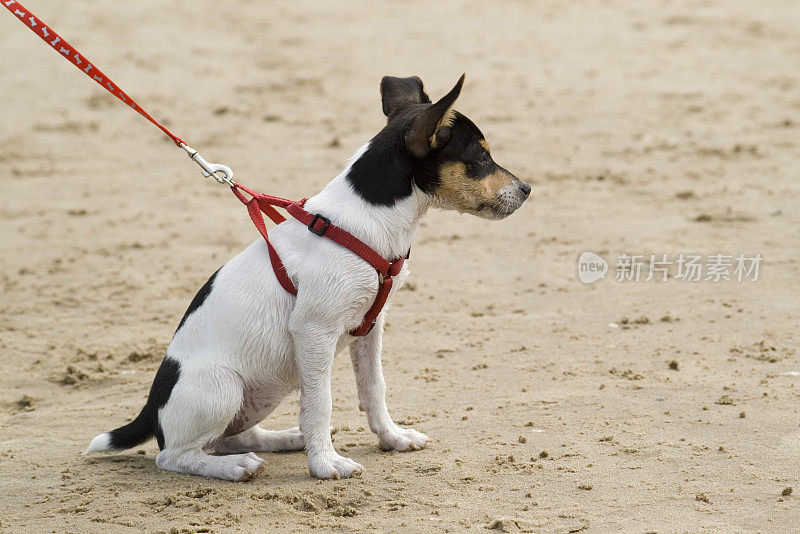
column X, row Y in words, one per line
column 501, row 207
column 494, row 212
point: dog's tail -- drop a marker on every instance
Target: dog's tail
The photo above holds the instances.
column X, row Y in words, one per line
column 145, row 426
column 134, row 433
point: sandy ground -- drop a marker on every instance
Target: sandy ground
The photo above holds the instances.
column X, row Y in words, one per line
column 648, row 127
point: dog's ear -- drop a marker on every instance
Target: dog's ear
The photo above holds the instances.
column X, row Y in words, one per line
column 431, row 128
column 397, row 93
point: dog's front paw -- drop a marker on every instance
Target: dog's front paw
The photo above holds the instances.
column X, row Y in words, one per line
column 402, row 439
column 332, row 466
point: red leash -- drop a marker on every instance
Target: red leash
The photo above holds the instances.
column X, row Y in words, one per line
column 258, row 202
column 220, row 173
column 64, row 48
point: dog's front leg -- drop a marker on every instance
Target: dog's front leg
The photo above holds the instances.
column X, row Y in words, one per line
column 365, row 353
column 315, row 351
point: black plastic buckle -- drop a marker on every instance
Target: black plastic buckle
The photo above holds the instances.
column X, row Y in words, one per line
column 325, row 223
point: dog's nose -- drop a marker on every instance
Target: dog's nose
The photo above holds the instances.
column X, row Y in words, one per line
column 525, row 188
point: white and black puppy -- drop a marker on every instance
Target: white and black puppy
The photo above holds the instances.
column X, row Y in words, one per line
column 245, row 342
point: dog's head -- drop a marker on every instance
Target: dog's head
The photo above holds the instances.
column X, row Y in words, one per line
column 452, row 161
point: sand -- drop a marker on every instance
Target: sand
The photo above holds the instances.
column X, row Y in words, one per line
column 646, row 127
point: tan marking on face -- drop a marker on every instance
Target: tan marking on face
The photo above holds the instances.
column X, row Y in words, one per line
column 460, row 192
column 485, row 145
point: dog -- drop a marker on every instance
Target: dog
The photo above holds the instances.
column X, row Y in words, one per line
column 245, row 342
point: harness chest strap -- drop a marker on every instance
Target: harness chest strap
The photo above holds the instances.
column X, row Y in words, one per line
column 322, row 226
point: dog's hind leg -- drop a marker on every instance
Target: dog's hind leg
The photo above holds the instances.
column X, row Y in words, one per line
column 365, row 352
column 202, row 404
column 257, row 439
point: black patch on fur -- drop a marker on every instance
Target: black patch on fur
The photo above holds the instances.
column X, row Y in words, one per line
column 146, row 423
column 198, row 299
column 166, row 378
column 383, row 174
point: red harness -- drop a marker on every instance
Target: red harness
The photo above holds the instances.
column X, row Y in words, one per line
column 258, row 203
column 320, row 226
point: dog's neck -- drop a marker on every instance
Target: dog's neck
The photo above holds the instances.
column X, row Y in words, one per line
column 389, row 229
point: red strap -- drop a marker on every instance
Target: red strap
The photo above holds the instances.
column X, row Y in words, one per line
column 344, row 238
column 64, row 48
column 380, row 299
column 263, row 203
column 280, row 270
column 254, row 209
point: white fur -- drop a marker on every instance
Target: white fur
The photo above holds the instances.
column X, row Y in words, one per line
column 100, row 443
column 251, row 343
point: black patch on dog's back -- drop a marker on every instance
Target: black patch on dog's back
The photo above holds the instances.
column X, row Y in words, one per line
column 198, row 299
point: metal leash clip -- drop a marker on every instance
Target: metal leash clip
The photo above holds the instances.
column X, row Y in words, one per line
column 210, row 170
